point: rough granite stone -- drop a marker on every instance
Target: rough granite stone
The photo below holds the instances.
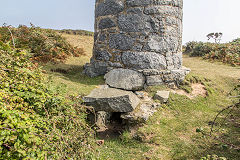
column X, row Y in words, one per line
column 139, row 35
column 154, row 80
column 163, row 10
column 141, row 114
column 162, row 96
column 106, row 23
column 102, row 55
column 102, row 37
column 163, row 44
column 125, row 79
column 115, row 65
column 135, row 10
column 131, row 22
column 109, row 7
column 178, row 75
column 144, row 60
column 151, row 72
column 95, row 68
column 112, row 100
column 177, row 60
column 134, row 3
column 102, row 119
column 121, row 41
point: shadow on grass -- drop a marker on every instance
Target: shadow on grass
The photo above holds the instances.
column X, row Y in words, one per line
column 73, row 73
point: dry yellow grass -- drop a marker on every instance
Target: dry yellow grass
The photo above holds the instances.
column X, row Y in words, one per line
column 85, row 42
column 211, row 69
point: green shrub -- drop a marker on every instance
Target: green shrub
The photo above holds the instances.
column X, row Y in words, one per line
column 189, row 46
column 35, row 121
column 76, row 32
column 43, row 44
column 236, row 41
column 226, row 53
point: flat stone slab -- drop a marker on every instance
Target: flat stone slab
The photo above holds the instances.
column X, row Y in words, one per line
column 162, row 96
column 155, row 80
column 142, row 113
column 112, row 100
column 125, row 79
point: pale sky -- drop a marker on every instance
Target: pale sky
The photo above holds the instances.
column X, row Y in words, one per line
column 205, row 16
column 200, row 16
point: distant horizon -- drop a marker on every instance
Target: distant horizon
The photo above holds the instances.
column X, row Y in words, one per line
column 212, row 41
column 201, row 17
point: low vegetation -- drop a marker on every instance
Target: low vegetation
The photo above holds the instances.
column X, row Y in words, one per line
column 36, row 120
column 42, row 116
column 227, row 52
column 76, row 32
column 43, row 44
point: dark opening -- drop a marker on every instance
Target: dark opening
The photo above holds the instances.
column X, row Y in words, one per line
column 116, row 118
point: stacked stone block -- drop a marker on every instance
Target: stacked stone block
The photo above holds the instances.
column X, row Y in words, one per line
column 141, row 35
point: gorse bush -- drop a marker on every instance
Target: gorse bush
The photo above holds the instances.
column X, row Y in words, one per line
column 236, row 41
column 76, row 32
column 227, row 52
column 43, row 44
column 36, row 122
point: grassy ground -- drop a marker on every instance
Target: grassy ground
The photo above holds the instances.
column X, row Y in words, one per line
column 70, row 75
column 171, row 132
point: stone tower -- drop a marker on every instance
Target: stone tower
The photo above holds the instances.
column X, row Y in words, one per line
column 141, row 35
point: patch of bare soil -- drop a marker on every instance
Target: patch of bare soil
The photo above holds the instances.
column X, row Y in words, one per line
column 198, row 89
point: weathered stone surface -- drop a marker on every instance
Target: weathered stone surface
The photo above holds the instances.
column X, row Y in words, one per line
column 131, row 22
column 163, row 44
column 102, row 37
column 151, row 72
column 125, row 79
column 139, row 35
column 109, row 7
column 143, row 95
column 154, row 80
column 162, row 96
column 141, row 114
column 142, row 60
column 169, row 78
column 121, row 41
column 137, row 47
column 112, row 100
column 115, row 65
column 177, row 60
column 106, row 23
column 117, row 57
column 102, row 119
column 163, row 10
column 134, row 3
column 178, row 75
column 95, row 69
column 135, row 10
column 102, row 55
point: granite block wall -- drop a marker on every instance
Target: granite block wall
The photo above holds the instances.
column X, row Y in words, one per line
column 138, row 35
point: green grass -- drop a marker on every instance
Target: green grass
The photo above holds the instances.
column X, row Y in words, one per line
column 75, row 82
column 118, row 149
column 171, row 132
